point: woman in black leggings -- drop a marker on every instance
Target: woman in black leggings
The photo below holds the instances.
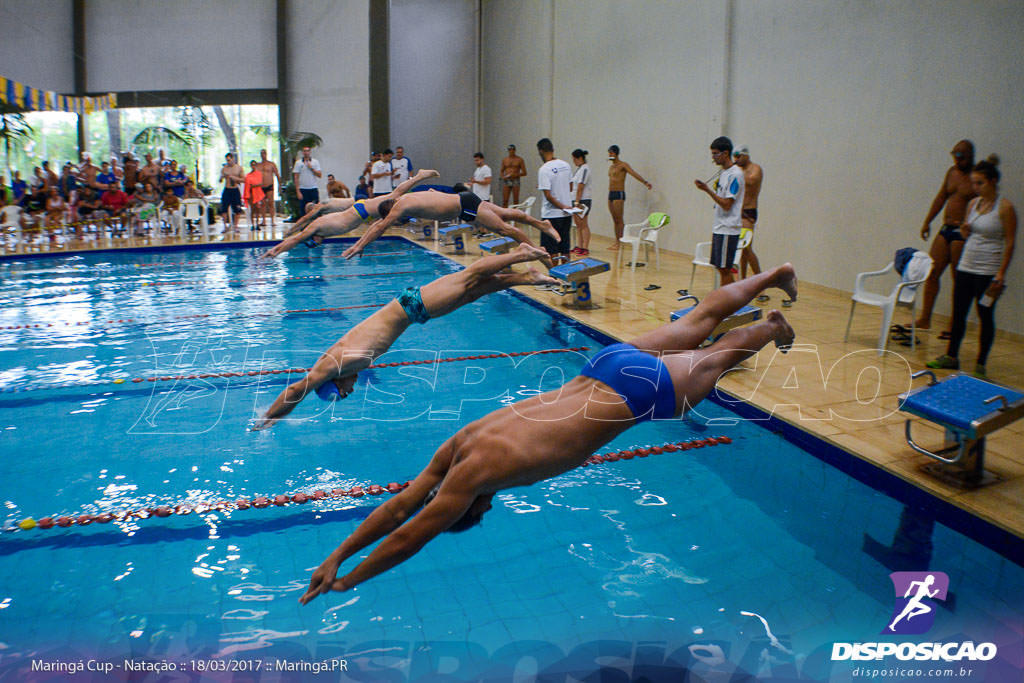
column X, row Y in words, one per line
column 990, row 229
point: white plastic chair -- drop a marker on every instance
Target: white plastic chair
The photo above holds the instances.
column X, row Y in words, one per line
column 645, row 233
column 702, row 256
column 904, row 294
column 524, row 206
column 10, row 221
column 194, row 210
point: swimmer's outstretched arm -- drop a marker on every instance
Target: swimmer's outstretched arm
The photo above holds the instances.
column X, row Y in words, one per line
column 376, row 230
column 389, row 519
column 290, row 243
column 330, row 206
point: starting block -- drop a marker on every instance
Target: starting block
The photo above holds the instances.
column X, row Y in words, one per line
column 746, row 315
column 455, row 233
column 502, row 245
column 968, row 409
column 576, row 275
column 421, row 230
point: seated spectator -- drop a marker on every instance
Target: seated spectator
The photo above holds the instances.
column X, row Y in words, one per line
column 170, row 210
column 105, row 179
column 174, row 179
column 336, row 188
column 145, row 204
column 55, row 210
column 192, row 192
column 89, row 208
column 19, row 190
column 67, row 183
column 37, row 190
column 5, row 191
column 51, row 177
column 114, row 203
column 362, row 188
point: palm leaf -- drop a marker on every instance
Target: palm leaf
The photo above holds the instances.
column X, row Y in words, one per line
column 156, row 135
column 299, row 139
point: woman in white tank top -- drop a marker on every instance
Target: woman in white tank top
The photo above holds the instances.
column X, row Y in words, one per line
column 991, row 230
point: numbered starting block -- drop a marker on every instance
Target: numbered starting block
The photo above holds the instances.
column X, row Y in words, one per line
column 576, row 275
column 502, row 245
column 455, row 235
column 422, row 230
column 744, row 316
column 968, row 409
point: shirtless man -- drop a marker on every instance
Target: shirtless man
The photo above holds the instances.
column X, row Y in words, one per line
column 233, row 176
column 617, row 190
column 337, row 189
column 131, row 173
column 753, row 176
column 269, row 170
column 442, row 206
column 955, row 193
column 88, row 172
column 546, row 435
column 151, row 173
column 371, row 338
column 339, row 216
column 512, row 169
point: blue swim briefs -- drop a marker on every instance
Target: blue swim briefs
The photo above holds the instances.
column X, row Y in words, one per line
column 639, row 378
column 412, row 303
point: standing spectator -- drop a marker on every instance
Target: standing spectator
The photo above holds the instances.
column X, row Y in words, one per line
column 581, row 180
column 305, row 174
column 991, row 230
column 174, row 179
column 753, row 176
column 553, row 180
column 116, row 170
column 67, row 186
column 233, row 177
column 728, row 197
column 37, row 188
column 402, row 165
column 105, row 179
column 383, row 174
column 955, row 193
column 337, row 189
column 51, row 177
column 617, row 190
column 87, row 171
column 480, row 183
column 253, row 194
column 512, row 169
column 269, row 172
column 367, row 169
column 151, row 173
column 131, row 173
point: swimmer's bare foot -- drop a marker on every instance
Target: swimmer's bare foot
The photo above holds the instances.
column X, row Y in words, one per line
column 539, row 278
column 785, row 279
column 550, row 231
column 530, row 252
column 784, row 334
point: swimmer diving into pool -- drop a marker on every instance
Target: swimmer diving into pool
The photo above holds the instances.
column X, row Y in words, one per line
column 660, row 374
column 339, row 216
column 369, row 339
column 441, row 206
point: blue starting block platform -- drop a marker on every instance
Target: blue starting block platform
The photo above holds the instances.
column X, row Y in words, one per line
column 455, row 235
column 744, row 316
column 502, row 245
column 576, row 275
column 968, row 409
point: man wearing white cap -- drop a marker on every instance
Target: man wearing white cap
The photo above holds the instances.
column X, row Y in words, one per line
column 753, row 175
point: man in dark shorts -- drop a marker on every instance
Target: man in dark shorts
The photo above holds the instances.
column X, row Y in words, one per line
column 753, row 176
column 442, row 206
column 512, row 169
column 233, row 177
column 554, row 180
column 727, row 193
column 269, row 171
column 955, row 193
column 355, row 351
column 658, row 375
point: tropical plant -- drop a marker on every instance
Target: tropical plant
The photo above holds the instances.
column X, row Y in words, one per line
column 160, row 136
column 13, row 129
column 294, row 143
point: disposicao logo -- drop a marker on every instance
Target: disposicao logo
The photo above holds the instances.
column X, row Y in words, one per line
column 912, row 614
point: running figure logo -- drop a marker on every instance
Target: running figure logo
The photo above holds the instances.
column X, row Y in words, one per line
column 914, row 613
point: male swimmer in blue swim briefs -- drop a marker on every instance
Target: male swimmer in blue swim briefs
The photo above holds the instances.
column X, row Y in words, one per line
column 339, row 216
column 464, row 206
column 660, row 374
column 375, row 335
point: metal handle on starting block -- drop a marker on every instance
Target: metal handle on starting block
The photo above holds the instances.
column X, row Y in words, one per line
column 961, row 447
column 921, row 373
column 998, row 397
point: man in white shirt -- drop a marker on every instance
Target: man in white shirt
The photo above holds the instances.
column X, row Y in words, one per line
column 305, row 174
column 480, row 184
column 553, row 180
column 383, row 174
column 728, row 197
column 402, row 166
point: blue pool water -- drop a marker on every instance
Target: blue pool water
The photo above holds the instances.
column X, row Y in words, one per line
column 647, row 567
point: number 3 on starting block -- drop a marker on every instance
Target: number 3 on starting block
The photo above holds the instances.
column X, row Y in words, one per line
column 583, row 292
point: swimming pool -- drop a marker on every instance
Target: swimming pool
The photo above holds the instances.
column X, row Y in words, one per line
column 645, row 566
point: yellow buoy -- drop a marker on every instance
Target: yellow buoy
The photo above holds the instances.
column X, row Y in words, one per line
column 118, row 381
column 27, row 523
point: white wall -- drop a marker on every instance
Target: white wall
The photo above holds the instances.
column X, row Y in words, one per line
column 328, row 57
column 180, row 45
column 35, row 43
column 851, row 106
column 433, row 97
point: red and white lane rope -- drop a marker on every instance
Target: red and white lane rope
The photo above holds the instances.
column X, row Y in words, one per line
column 283, row 500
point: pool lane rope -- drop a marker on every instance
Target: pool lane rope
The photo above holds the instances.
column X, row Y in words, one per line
column 283, row 500
column 285, row 371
